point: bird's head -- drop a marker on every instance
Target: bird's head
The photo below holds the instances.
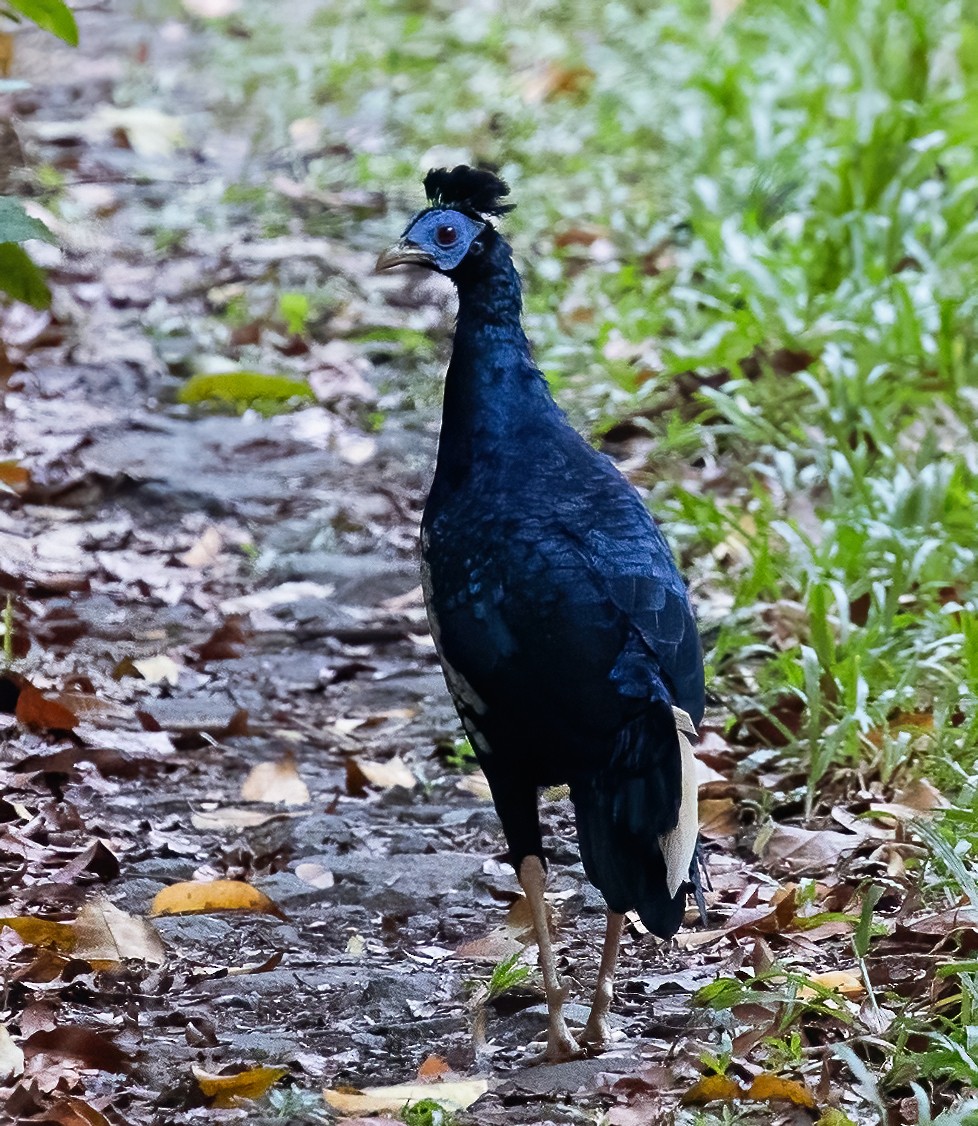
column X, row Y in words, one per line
column 455, row 227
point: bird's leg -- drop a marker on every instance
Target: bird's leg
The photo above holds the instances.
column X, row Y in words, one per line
column 560, row 1044
column 597, row 1031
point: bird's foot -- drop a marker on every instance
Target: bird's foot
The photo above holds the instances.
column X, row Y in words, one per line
column 596, row 1034
column 561, row 1044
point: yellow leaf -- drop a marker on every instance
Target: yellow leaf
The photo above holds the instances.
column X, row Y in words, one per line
column 711, row 1088
column 6, row 54
column 275, row 782
column 840, row 981
column 225, row 1090
column 770, row 1088
column 197, row 897
column 456, row 1095
column 43, row 932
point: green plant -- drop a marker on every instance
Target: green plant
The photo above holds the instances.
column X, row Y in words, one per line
column 243, row 390
column 294, row 309
column 461, row 756
column 426, row 1112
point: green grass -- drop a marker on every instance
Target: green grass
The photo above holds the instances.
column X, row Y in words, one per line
column 758, row 240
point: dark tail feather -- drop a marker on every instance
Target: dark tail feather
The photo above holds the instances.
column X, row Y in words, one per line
column 627, row 813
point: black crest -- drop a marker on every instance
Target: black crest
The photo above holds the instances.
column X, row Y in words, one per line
column 467, row 189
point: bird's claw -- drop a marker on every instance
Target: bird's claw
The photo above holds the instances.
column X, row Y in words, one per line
column 596, row 1034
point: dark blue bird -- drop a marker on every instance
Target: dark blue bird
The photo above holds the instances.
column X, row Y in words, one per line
column 563, row 627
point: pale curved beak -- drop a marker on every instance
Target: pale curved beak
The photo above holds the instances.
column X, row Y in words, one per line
column 403, row 253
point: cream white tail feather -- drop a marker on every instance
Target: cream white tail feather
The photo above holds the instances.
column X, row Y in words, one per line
column 679, row 844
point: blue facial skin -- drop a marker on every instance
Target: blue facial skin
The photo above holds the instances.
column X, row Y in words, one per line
column 444, row 235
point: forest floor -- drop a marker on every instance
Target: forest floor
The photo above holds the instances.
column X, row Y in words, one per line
column 220, row 670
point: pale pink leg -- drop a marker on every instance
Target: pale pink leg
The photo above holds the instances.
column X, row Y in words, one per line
column 597, row 1031
column 560, row 1044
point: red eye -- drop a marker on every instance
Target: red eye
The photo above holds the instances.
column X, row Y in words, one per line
column 446, row 235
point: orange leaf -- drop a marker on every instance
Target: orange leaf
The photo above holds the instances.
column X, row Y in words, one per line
column 37, row 710
column 432, row 1067
column 14, row 476
column 198, row 897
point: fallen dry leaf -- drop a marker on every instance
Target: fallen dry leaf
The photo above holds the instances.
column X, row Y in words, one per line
column 806, row 850
column 199, row 897
column 90, row 1047
column 34, row 709
column 455, row 1095
column 225, row 1090
column 711, row 1088
column 432, row 1068
column 158, row 670
column 15, row 477
column 275, row 782
column 361, row 773
column 765, row 1088
column 921, row 795
column 205, row 551
column 315, row 875
column 771, row 1088
column 11, row 1057
column 233, row 818
column 75, row 1112
column 840, row 981
column 513, row 935
column 106, row 936
column 476, row 785
column 718, row 818
column 43, row 932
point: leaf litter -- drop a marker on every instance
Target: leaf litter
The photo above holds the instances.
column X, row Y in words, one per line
column 239, row 596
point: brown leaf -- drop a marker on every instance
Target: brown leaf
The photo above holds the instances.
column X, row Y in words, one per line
column 361, row 773
column 91, row 1048
column 75, row 1112
column 37, row 710
column 275, row 782
column 718, row 818
column 806, row 850
column 107, row 936
column 503, row 941
column 921, row 795
column 226, row 643
column 199, row 897
column 225, row 1090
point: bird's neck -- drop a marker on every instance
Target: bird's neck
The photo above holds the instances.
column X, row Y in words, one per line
column 492, row 388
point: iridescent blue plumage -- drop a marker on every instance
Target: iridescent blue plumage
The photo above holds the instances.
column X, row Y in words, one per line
column 563, row 625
